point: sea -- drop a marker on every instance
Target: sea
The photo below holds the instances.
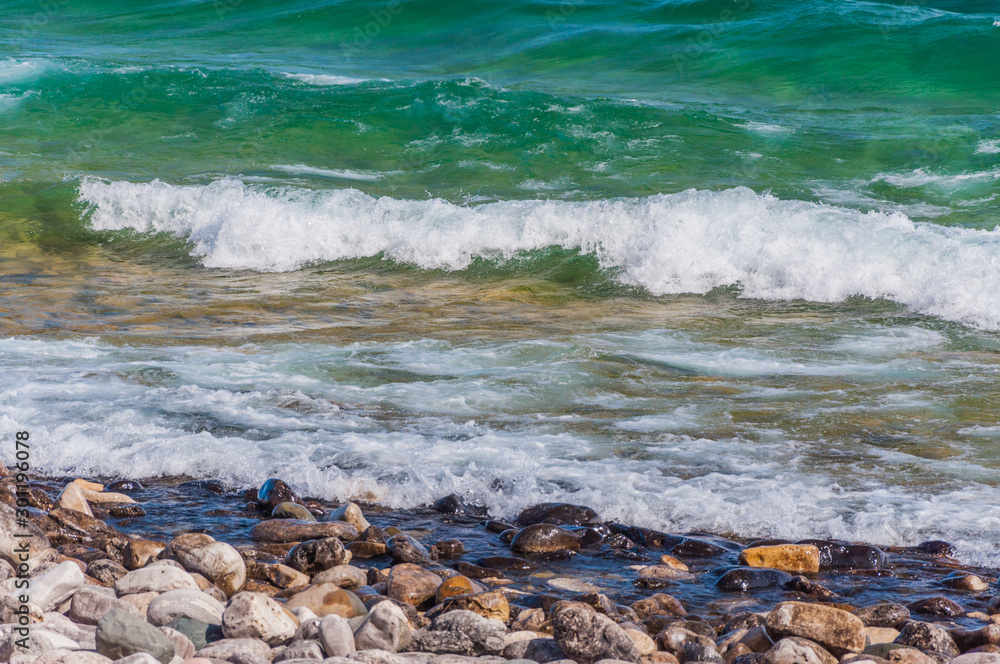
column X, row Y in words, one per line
column 726, row 266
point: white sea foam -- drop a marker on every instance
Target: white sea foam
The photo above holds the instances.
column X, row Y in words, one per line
column 988, row 147
column 302, row 169
column 325, row 79
column 923, row 178
column 17, row 71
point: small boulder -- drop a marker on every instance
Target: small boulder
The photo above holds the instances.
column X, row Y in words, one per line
column 927, row 637
column 72, row 498
column 318, row 555
column 460, row 633
column 57, row 585
column 572, row 515
column 385, row 628
column 292, row 511
column 794, row 558
column 352, row 514
column 545, row 539
column 344, row 576
column 838, row 631
column 412, row 584
column 744, row 579
column 296, row 530
column 120, row 634
column 157, row 578
column 326, row 599
column 90, row 603
column 256, row 616
column 185, row 603
column 139, row 552
column 585, row 635
column 219, row 562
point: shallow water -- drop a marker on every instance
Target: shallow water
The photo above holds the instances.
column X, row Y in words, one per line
column 725, row 266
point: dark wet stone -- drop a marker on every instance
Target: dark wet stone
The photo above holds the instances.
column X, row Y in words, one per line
column 405, row 549
column 927, row 637
column 214, row 487
column 373, row 534
column 453, row 504
column 619, row 541
column 937, row 606
column 937, row 548
column 848, row 556
column 82, row 553
column 993, row 606
column 123, row 486
column 967, row 639
column 767, row 542
column 588, row 537
column 696, row 652
column 130, row 511
column 695, row 548
column 64, row 526
column 273, row 492
column 452, row 548
column 545, row 539
column 505, row 562
column 743, row 620
column 742, row 579
column 366, row 550
column 652, row 539
column 498, row 526
column 803, row 585
column 294, row 530
column 475, row 571
column 289, row 510
column 508, row 536
column 749, row 658
column 315, row 556
column 201, row 634
column 599, row 601
column 574, row 515
column 884, row 615
column 540, row 601
column 106, row 571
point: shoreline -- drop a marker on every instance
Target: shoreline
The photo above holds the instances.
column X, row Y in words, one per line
column 557, row 555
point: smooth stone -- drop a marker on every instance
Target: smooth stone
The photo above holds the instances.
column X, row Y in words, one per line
column 573, row 585
column 199, row 633
column 273, row 492
column 66, row 656
column 326, row 599
column 124, row 485
column 977, row 658
column 295, row 530
column 156, row 578
column 318, row 555
column 743, row 579
column 73, row 498
column 537, row 649
column 336, row 636
column 107, row 498
column 120, row 634
column 881, row 634
column 794, row 558
column 838, row 631
column 850, row 556
column 344, row 576
column 255, row 616
column 385, row 628
column 56, row 586
column 544, row 538
column 140, row 601
column 90, row 603
column 60, row 624
column 454, row 504
column 352, row 514
column 659, row 576
column 967, row 639
column 290, row 510
column 139, row 552
column 280, row 575
column 786, row 651
column 658, row 604
column 643, row 642
column 491, row 604
column 460, row 633
column 366, row 550
column 969, row 582
column 927, row 636
column 37, row 542
column 884, row 615
column 573, row 515
column 454, row 587
column 450, row 549
column 227, row 648
column 219, row 562
column 186, row 603
column 41, row 640
column 183, row 646
column 583, row 634
column 675, row 635
column 670, row 561
column 106, row 571
column 412, row 584
column 301, row 651
column 405, row 549
column 139, row 658
column 937, row 606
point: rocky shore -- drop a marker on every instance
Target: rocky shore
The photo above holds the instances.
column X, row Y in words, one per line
column 282, row 578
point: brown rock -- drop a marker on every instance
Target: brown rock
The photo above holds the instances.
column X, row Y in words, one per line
column 927, row 637
column 967, row 639
column 281, row 576
column 937, row 606
column 838, row 631
column 544, row 538
column 573, row 515
column 969, row 582
column 454, row 587
column 412, row 584
column 366, row 550
column 326, row 599
column 490, row 604
column 658, row 604
column 294, row 530
column 317, row 555
column 138, row 552
column 670, row 561
column 72, row 498
column 452, row 548
column 64, row 526
column 795, row 558
column 342, row 576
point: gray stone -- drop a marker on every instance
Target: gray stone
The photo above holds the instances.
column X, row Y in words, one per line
column 344, row 576
column 290, row 510
column 586, row 635
column 198, row 632
column 183, row 646
column 462, row 633
column 219, row 562
column 884, row 615
column 302, row 650
column 56, row 586
column 977, row 658
column 226, row 649
column 36, row 545
column 927, row 637
column 66, row 656
column 158, row 578
column 535, row 650
column 138, row 658
column 40, row 640
column 84, row 635
column 186, row 603
column 787, row 651
column 120, row 634
column 696, row 652
column 90, row 603
column 256, row 616
column 385, row 628
column 405, row 549
column 838, row 631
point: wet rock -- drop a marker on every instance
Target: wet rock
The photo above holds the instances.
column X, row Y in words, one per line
column 506, row 563
column 573, row 515
column 927, row 637
column 405, row 549
column 960, row 581
column 658, row 604
column 139, row 552
column 273, row 492
column 884, row 615
column 352, row 514
column 695, row 652
column 344, row 576
column 291, row 510
column 36, row 543
column 453, row 504
column 254, row 616
column 280, row 576
column 787, row 651
column 585, row 635
column 743, row 579
column 690, row 547
column 187, row 603
column 126, row 511
column 661, row 576
column 838, row 631
column 254, row 650
column 90, row 603
column 294, row 530
column 326, row 599
column 106, row 571
column 848, row 556
column 385, row 628
column 476, row 571
column 72, row 498
column 937, row 606
column 937, row 548
column 534, row 650
column 675, row 635
column 64, row 526
column 670, row 561
column 412, row 584
column 545, row 539
column 795, row 558
column 490, row 604
column 157, row 578
column 803, row 585
column 56, row 586
column 106, row 499
column 318, row 555
column 124, row 485
column 448, row 549
column 460, row 633
column 40, row 641
column 366, row 550
column 120, row 634
column 455, row 586
column 967, row 639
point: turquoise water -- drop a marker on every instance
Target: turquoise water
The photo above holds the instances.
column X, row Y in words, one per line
column 712, row 264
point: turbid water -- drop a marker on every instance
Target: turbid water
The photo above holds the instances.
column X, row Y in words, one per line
column 714, row 265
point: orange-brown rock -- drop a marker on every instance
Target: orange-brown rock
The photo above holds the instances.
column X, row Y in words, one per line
column 326, row 599
column 838, row 631
column 454, row 587
column 412, row 584
column 795, row 558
